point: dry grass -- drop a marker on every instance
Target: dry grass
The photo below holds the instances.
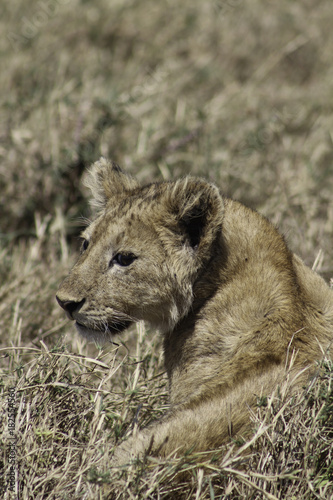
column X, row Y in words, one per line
column 236, row 91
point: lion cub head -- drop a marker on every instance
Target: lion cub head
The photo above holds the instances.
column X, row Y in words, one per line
column 142, row 255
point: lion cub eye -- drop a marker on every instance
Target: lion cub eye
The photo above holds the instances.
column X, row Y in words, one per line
column 123, row 259
column 84, row 245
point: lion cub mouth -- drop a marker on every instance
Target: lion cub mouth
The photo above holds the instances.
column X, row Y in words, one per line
column 105, row 333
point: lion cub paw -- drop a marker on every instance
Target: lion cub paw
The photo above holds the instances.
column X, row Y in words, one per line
column 130, row 450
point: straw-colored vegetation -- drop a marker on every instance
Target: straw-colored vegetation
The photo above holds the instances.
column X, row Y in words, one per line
column 237, row 91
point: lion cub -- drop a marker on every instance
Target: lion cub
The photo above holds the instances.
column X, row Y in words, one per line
column 232, row 302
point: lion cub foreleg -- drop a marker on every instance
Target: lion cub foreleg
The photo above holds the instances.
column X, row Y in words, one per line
column 203, row 426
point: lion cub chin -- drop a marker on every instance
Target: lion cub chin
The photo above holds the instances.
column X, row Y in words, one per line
column 233, row 303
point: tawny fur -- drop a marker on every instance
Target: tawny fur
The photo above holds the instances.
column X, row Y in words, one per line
column 234, row 305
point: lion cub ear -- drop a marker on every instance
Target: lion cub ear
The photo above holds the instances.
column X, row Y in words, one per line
column 199, row 209
column 107, row 181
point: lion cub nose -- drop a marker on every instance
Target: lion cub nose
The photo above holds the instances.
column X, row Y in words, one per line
column 70, row 306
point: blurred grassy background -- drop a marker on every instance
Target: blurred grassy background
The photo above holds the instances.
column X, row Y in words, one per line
column 233, row 90
column 238, row 91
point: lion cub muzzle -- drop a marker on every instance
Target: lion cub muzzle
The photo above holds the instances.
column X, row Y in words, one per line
column 93, row 329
